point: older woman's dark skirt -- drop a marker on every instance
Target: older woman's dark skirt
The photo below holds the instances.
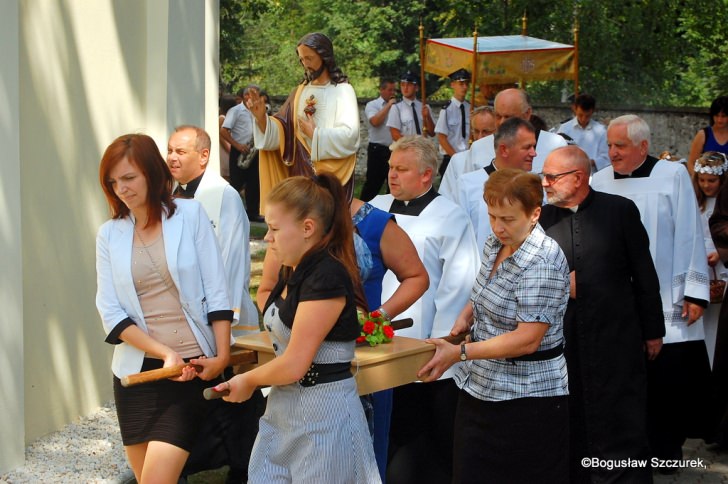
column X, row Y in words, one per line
column 514, row 441
column 165, row 411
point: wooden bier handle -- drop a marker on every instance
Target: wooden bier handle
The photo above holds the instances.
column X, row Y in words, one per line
column 212, row 394
column 237, row 358
column 455, row 340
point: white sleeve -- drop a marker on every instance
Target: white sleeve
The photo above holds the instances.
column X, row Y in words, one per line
column 107, row 301
column 393, row 120
column 268, row 140
column 461, row 261
column 441, row 125
column 690, row 261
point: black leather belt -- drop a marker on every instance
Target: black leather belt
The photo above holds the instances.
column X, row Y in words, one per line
column 548, row 354
column 378, row 145
column 325, row 373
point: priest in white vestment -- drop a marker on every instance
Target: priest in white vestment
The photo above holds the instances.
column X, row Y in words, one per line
column 228, row 433
column 678, row 378
column 515, row 141
column 444, row 239
column 188, row 154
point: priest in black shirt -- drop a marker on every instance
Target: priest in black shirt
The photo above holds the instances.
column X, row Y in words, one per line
column 614, row 321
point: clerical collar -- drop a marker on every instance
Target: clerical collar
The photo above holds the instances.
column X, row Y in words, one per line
column 490, row 169
column 415, row 206
column 188, row 189
column 642, row 171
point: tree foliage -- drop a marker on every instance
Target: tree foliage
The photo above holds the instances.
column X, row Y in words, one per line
column 631, row 52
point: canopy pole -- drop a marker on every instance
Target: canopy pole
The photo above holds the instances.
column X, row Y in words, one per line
column 422, row 72
column 524, row 32
column 576, row 56
column 474, row 72
column 524, row 23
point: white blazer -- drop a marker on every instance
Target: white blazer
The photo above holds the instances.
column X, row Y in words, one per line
column 194, row 263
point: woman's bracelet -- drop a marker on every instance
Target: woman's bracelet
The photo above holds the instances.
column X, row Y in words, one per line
column 384, row 313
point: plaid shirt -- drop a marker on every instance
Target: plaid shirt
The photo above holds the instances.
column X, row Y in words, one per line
column 531, row 285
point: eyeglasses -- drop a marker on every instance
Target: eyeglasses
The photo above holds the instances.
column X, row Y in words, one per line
column 554, row 177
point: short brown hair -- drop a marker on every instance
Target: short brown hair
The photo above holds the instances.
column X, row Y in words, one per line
column 142, row 152
column 515, row 186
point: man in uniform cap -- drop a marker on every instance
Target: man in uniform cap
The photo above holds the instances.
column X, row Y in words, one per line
column 409, row 116
column 453, row 125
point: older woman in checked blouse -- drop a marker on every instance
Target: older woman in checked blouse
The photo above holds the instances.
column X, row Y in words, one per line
column 511, row 423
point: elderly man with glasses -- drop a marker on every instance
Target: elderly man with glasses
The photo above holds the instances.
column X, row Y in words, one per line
column 614, row 319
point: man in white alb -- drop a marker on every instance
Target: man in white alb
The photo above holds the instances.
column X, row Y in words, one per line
column 229, row 430
column 678, row 378
column 444, row 239
column 515, row 143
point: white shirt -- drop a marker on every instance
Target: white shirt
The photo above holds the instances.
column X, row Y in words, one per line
column 592, row 139
column 240, row 123
column 381, row 134
column 449, row 123
column 401, row 117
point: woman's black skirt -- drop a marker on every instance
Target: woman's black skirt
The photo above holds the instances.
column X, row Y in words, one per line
column 165, row 411
column 515, row 441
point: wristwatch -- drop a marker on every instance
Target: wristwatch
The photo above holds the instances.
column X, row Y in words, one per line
column 463, row 355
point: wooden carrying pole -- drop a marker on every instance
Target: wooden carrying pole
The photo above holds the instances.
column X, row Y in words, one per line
column 423, row 94
column 237, row 358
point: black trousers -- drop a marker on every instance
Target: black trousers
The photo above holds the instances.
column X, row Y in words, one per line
column 227, row 437
column 421, row 433
column 247, row 179
column 377, row 170
column 678, row 383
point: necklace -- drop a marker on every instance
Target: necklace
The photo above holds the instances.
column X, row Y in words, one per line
column 165, row 280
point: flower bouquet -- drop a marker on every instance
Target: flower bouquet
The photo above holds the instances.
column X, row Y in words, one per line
column 375, row 328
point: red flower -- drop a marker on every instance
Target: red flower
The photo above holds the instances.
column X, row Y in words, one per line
column 376, row 314
column 388, row 332
column 368, row 327
column 361, row 339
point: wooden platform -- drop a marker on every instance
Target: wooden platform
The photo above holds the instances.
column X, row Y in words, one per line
column 375, row 368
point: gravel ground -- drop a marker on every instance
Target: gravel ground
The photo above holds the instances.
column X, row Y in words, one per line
column 88, row 451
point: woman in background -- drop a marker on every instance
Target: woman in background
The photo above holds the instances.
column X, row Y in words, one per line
column 713, row 137
column 709, row 174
